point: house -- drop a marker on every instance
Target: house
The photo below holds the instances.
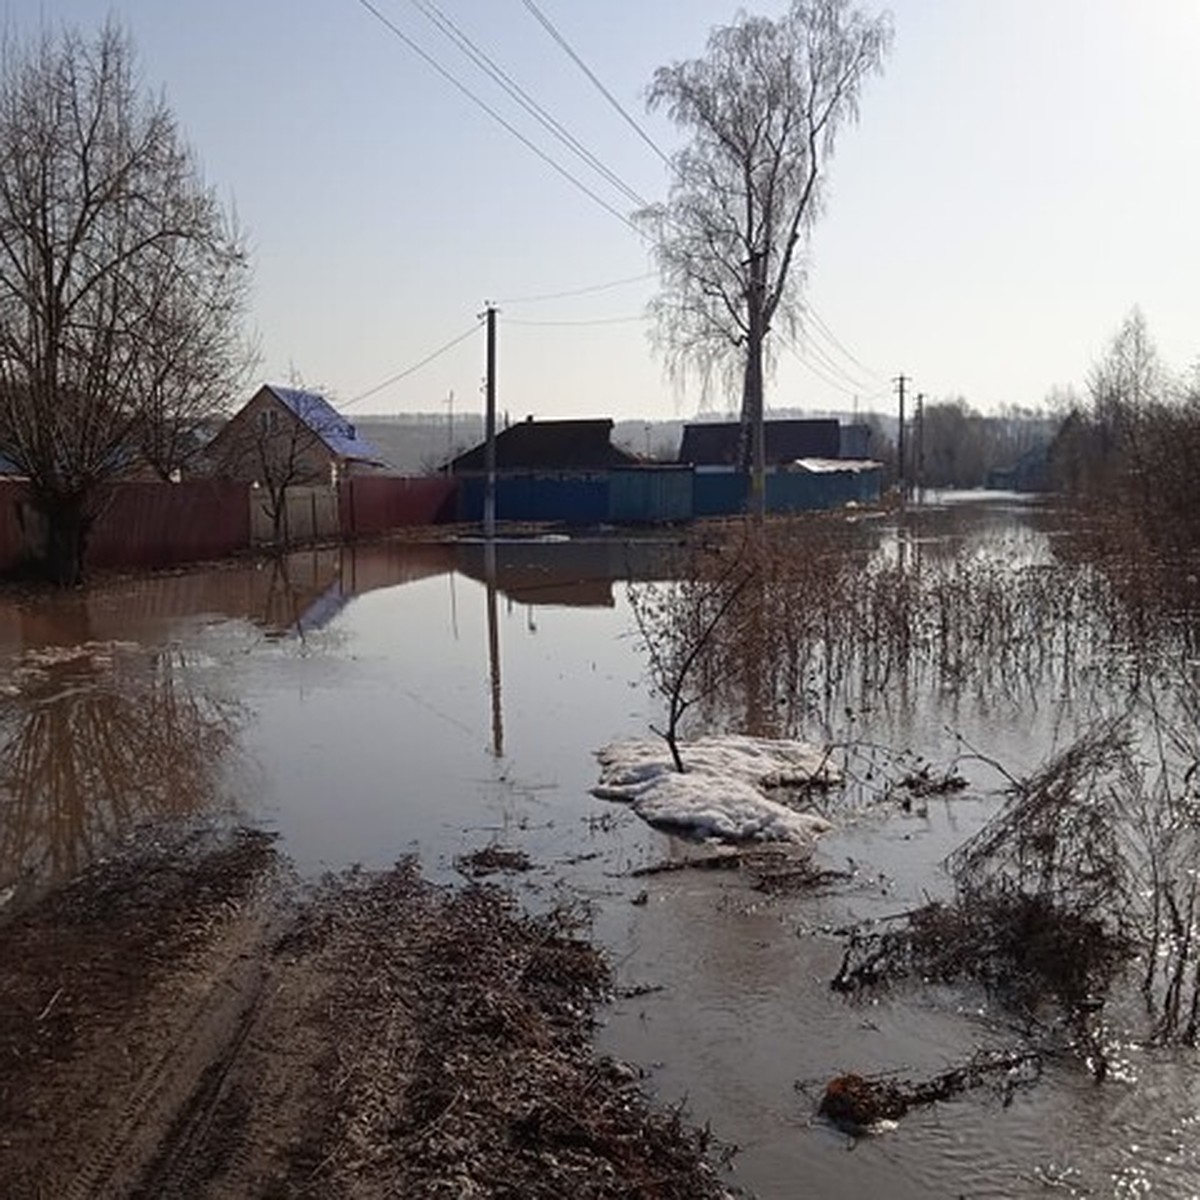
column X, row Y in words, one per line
column 715, row 443
column 284, row 436
column 545, row 471
column 548, row 446
column 811, row 464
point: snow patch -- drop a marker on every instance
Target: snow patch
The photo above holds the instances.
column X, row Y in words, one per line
column 722, row 793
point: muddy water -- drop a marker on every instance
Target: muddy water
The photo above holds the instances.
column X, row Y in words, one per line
column 375, row 702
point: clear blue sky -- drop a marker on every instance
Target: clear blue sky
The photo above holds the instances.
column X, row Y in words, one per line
column 1022, row 175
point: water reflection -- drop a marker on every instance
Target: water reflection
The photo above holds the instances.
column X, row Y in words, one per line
column 96, row 738
column 493, row 628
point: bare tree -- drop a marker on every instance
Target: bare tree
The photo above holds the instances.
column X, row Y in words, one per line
column 281, row 458
column 762, row 109
column 680, row 624
column 122, row 282
column 279, row 447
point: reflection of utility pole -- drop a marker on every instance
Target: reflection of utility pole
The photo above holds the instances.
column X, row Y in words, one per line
column 493, row 624
column 901, row 474
column 489, row 452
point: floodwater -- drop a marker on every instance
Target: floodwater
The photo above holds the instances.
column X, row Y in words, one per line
column 383, row 700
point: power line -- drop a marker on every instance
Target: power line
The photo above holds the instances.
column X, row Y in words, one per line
column 826, row 379
column 594, row 321
column 562, row 41
column 583, row 291
column 830, row 364
column 491, row 112
column 820, row 325
column 462, row 337
column 498, row 75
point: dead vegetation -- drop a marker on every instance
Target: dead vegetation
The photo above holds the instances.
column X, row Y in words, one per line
column 492, row 860
column 768, row 868
column 1080, row 892
column 494, row 1090
column 857, row 1103
column 172, row 1028
column 810, row 629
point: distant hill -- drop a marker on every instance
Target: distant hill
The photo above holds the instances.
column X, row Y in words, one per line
column 419, row 443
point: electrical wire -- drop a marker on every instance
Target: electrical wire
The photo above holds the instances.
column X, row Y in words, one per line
column 831, row 371
column 498, row 75
column 428, row 58
column 816, row 371
column 583, row 291
column 809, row 345
column 462, row 337
column 828, row 333
column 546, row 24
column 593, row 321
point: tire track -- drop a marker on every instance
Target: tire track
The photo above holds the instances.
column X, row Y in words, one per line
column 194, row 1060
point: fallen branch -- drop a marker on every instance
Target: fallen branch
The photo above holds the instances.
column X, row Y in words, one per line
column 856, row 1103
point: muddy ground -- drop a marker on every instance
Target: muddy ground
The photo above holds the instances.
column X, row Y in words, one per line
column 185, row 1021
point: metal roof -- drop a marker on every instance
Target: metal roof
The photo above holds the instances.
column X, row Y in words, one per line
column 327, row 423
column 574, row 445
column 715, row 443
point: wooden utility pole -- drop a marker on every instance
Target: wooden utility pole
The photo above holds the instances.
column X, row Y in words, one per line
column 489, row 450
column 901, row 473
column 920, row 468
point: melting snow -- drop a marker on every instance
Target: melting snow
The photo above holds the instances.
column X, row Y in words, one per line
column 722, row 792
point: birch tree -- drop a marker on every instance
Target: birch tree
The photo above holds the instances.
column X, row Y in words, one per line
column 761, row 110
column 123, row 282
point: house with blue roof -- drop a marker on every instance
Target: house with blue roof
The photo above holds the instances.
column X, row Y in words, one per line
column 288, row 437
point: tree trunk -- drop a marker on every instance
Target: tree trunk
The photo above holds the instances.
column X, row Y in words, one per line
column 754, row 438
column 68, row 525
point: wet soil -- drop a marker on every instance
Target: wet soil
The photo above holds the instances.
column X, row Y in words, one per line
column 183, row 1021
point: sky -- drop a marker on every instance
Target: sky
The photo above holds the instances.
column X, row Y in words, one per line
column 1021, row 176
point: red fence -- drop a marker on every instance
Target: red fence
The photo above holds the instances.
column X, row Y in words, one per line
column 373, row 504
column 160, row 524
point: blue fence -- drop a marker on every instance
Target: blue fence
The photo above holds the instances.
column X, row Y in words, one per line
column 649, row 495
column 567, row 499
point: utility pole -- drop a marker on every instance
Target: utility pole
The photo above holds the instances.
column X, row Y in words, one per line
column 489, row 451
column 901, row 474
column 920, row 471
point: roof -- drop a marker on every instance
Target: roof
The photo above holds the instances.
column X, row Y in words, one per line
column 830, row 466
column 551, row 446
column 327, row 423
column 715, row 443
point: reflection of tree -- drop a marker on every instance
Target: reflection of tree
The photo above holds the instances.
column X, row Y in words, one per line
column 97, row 739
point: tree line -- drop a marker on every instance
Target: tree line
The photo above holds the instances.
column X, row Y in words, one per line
column 1127, row 450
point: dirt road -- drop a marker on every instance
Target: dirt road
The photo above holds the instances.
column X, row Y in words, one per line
column 181, row 1023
